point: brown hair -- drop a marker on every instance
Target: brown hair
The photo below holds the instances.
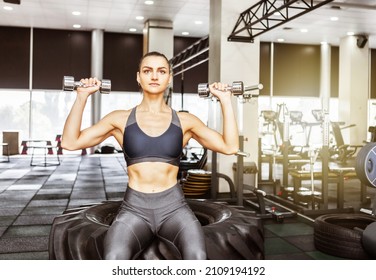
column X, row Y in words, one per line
column 155, row 53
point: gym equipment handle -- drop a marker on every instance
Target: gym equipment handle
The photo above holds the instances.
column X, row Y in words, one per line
column 243, row 154
column 69, row 84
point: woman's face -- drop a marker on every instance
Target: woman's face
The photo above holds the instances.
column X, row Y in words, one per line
column 154, row 75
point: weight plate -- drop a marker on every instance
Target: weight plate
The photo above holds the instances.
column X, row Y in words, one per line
column 198, row 180
column 195, row 184
column 366, row 164
column 194, row 190
column 194, row 194
column 199, row 172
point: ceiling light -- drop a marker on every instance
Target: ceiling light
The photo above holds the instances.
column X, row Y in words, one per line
column 139, row 17
column 132, row 29
column 148, row 2
column 303, row 30
column 76, row 13
column 335, row 7
column 198, row 22
column 280, row 40
column 350, row 33
column 185, row 33
column 77, row 26
column 334, row 18
column 8, row 8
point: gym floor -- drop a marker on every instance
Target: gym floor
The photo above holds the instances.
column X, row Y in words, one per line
column 30, row 198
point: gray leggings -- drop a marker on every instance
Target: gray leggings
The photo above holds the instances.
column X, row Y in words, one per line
column 142, row 216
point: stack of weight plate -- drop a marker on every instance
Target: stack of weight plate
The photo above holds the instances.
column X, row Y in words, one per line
column 197, row 183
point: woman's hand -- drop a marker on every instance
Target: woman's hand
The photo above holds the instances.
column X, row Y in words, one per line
column 89, row 86
column 220, row 90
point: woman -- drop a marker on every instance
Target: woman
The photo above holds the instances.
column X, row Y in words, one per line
column 152, row 136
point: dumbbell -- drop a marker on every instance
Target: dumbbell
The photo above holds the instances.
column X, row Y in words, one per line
column 237, row 88
column 69, row 84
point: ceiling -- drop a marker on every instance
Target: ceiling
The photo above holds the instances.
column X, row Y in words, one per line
column 358, row 16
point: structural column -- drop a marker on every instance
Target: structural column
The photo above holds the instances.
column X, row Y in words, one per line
column 159, row 36
column 96, row 71
column 325, row 76
column 354, row 81
column 228, row 62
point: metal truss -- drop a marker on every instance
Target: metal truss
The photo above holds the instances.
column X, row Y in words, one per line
column 268, row 14
column 192, row 56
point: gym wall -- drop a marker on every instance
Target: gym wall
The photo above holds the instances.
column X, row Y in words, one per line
column 192, row 77
column 14, row 57
column 61, row 52
column 296, row 69
column 373, row 73
column 57, row 53
column 121, row 56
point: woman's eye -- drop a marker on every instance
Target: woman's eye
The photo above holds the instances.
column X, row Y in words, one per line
column 162, row 71
column 146, row 71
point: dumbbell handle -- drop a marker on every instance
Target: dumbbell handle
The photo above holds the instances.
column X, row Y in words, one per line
column 254, row 87
column 69, row 84
column 236, row 89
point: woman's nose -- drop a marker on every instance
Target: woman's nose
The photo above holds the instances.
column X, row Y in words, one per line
column 154, row 75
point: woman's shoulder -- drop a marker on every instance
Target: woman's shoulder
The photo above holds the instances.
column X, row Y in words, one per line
column 118, row 116
column 188, row 118
column 120, row 113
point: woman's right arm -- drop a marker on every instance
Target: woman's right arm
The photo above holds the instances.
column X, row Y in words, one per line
column 73, row 138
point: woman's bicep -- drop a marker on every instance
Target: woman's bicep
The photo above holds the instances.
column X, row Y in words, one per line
column 91, row 136
column 94, row 135
column 207, row 137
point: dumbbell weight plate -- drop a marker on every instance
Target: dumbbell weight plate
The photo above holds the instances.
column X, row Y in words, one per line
column 366, row 164
column 68, row 83
column 105, row 86
column 203, row 90
column 237, row 88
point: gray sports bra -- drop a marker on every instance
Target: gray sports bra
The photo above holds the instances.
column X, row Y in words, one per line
column 140, row 147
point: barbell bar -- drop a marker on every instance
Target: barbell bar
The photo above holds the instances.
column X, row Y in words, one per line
column 69, row 84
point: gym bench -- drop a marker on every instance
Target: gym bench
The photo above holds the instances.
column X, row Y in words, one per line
column 336, row 175
column 46, row 147
column 5, row 145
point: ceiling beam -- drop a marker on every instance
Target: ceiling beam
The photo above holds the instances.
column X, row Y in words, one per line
column 268, row 14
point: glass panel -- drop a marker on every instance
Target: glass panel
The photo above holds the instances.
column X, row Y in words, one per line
column 14, row 112
column 49, row 111
column 298, row 133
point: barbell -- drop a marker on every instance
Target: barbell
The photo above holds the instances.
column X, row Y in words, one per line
column 69, row 84
column 237, row 88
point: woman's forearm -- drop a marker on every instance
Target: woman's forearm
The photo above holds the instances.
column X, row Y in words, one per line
column 230, row 128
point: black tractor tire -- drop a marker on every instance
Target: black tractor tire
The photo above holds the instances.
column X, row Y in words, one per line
column 341, row 235
column 369, row 240
column 231, row 232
